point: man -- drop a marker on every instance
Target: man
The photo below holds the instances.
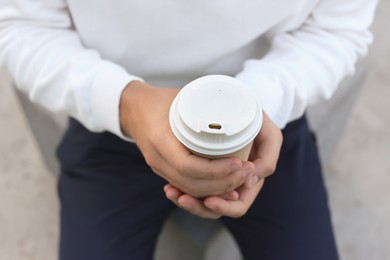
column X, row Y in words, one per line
column 115, row 67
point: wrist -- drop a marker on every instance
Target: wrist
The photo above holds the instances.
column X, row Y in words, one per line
column 130, row 102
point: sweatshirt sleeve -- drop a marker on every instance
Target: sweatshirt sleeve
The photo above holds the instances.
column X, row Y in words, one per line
column 47, row 60
column 305, row 65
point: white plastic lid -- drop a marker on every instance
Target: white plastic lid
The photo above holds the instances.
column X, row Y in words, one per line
column 216, row 115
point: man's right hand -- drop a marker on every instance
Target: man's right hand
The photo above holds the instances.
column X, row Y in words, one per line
column 144, row 116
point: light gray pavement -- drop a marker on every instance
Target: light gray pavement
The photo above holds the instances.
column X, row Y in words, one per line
column 358, row 175
column 28, row 201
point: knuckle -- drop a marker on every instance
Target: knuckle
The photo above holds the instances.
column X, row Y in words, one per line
column 150, row 160
column 236, row 180
column 179, row 166
column 240, row 179
column 270, row 169
column 213, row 173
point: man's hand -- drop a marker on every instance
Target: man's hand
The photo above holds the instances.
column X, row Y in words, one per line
column 266, row 149
column 144, row 116
column 262, row 163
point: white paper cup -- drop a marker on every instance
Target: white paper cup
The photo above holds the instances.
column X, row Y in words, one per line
column 216, row 116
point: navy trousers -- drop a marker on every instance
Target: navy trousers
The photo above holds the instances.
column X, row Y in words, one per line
column 113, row 206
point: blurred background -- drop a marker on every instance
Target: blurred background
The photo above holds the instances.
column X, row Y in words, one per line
column 357, row 175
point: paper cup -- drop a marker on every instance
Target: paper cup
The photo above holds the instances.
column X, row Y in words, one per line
column 216, row 116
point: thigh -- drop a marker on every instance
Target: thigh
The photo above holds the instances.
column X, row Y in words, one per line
column 290, row 218
column 112, row 205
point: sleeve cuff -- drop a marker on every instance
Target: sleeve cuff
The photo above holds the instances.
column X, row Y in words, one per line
column 106, row 93
column 268, row 93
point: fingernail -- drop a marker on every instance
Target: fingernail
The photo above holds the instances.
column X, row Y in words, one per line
column 253, row 181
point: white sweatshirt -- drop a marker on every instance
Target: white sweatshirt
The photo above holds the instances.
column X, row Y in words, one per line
column 77, row 56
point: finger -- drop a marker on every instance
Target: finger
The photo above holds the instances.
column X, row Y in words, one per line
column 206, row 187
column 231, row 195
column 188, row 203
column 172, row 193
column 203, row 187
column 267, row 149
column 251, row 181
column 193, row 166
column 265, row 163
column 248, row 195
column 198, row 167
column 166, row 187
column 252, row 178
column 196, row 207
column 234, row 208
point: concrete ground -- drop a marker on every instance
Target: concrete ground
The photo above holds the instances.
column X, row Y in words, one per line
column 357, row 176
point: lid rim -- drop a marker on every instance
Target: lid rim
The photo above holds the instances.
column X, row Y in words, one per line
column 216, row 149
column 189, row 137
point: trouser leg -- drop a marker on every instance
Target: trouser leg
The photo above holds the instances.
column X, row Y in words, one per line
column 290, row 218
column 112, row 205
